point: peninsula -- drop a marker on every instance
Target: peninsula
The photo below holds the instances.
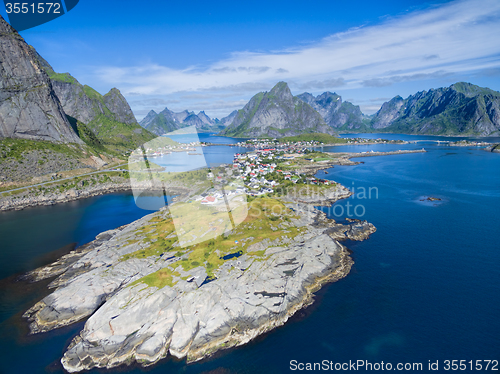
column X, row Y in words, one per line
column 211, row 271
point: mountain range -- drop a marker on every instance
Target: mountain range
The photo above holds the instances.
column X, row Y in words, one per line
column 167, row 121
column 461, row 109
column 37, row 103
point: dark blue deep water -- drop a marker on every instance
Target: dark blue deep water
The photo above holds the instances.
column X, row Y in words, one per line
column 425, row 286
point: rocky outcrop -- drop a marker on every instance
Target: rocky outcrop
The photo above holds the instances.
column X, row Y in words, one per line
column 117, row 105
column 336, row 113
column 388, row 113
column 190, row 315
column 461, row 109
column 355, row 230
column 276, row 113
column 29, row 106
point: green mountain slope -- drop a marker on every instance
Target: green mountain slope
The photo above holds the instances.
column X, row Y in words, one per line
column 276, row 113
column 108, row 116
column 461, row 109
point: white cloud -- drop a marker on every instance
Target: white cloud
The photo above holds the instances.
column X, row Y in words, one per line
column 457, row 38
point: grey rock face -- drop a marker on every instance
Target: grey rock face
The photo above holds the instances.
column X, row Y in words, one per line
column 108, row 117
column 193, row 120
column 75, row 101
column 388, row 113
column 336, row 113
column 226, row 121
column 276, row 113
column 85, row 104
column 130, row 321
column 462, row 108
column 181, row 116
column 205, row 119
column 117, row 104
column 29, row 107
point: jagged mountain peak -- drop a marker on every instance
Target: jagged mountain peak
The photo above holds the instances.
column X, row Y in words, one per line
column 337, row 114
column 471, row 90
column 280, row 92
column 276, row 113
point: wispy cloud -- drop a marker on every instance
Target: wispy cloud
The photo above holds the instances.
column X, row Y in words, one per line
column 455, row 38
column 387, row 81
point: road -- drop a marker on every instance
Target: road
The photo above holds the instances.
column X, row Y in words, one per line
column 114, row 168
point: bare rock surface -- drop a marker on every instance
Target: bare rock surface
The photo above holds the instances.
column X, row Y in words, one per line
column 191, row 316
column 29, row 107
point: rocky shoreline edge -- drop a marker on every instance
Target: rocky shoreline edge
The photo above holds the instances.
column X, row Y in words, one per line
column 194, row 316
column 12, row 203
column 18, row 203
column 8, row 203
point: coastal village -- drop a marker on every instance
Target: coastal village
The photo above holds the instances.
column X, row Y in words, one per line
column 269, row 168
column 262, row 171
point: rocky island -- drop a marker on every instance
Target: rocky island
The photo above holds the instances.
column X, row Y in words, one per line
column 208, row 272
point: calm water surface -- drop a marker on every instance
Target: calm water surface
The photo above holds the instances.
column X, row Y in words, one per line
column 424, row 287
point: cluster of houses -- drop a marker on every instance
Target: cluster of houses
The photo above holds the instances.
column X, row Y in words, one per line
column 160, row 150
column 275, row 143
column 260, row 144
column 249, row 170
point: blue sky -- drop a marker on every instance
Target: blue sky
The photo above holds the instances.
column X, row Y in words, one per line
column 214, row 56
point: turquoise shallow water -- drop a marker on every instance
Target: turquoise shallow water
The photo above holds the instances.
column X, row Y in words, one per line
column 424, row 287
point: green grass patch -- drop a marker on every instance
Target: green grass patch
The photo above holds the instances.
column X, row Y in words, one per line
column 160, row 278
column 15, row 148
column 267, row 218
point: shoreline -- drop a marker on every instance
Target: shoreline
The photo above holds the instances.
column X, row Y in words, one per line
column 13, row 202
column 269, row 298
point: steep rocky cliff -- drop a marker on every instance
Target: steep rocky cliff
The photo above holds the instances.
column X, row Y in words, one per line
column 276, row 113
column 108, row 116
column 339, row 115
column 461, row 109
column 29, row 106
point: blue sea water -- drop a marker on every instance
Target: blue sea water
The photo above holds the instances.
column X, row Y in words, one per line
column 424, row 287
